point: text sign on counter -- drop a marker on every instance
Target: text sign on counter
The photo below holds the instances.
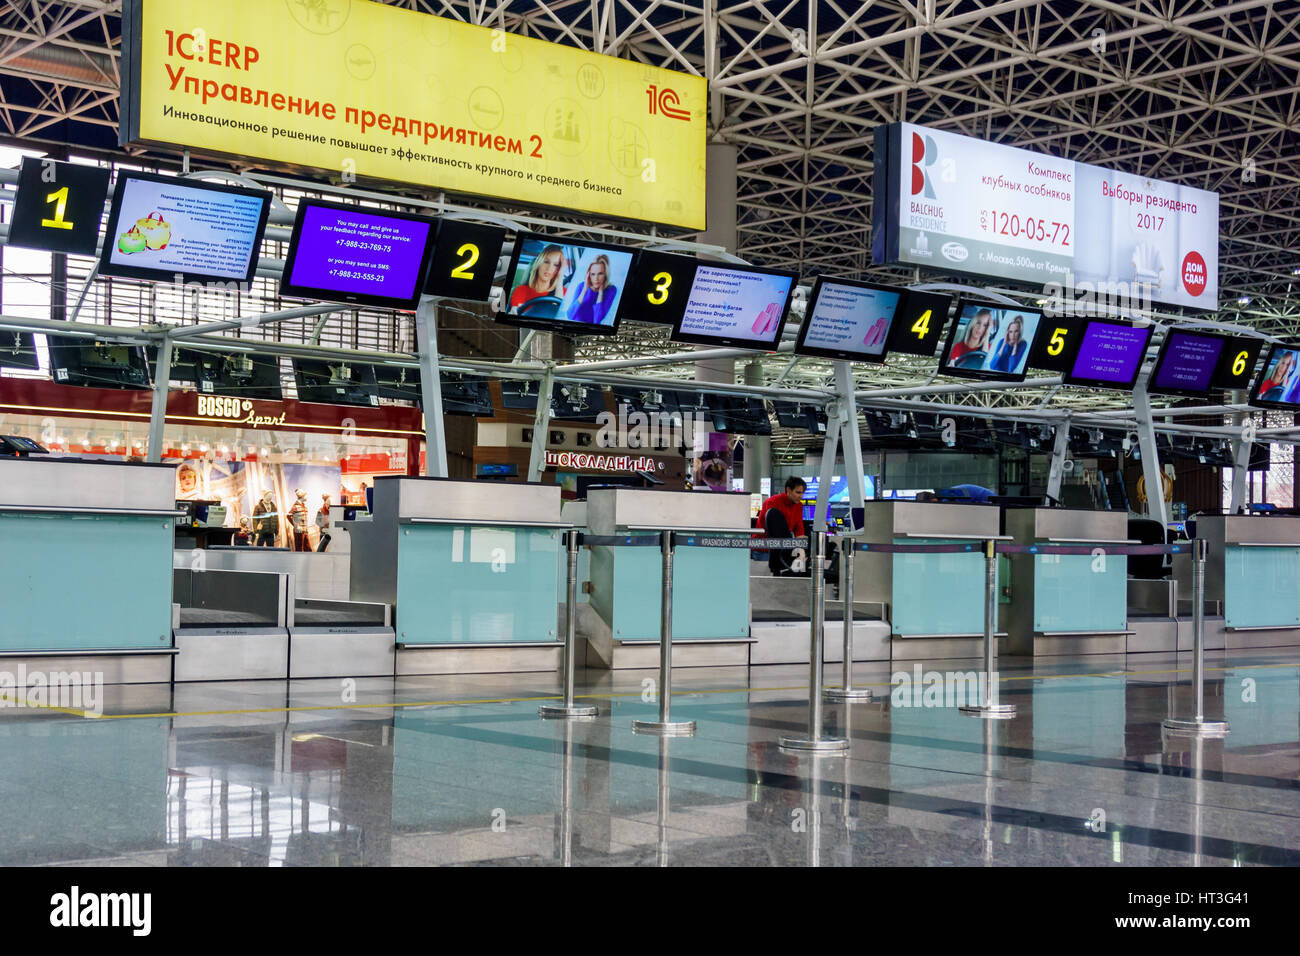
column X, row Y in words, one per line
column 966, row 205
column 373, row 91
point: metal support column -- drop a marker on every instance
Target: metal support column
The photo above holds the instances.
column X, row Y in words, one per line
column 572, row 543
column 665, row 726
column 1241, row 443
column 1060, row 448
column 1197, row 726
column 162, row 375
column 989, row 707
column 541, row 425
column 1150, row 455
column 830, row 449
column 435, row 434
column 850, row 436
column 814, row 741
column 846, row 691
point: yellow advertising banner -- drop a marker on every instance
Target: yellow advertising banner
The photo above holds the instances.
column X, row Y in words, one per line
column 371, row 91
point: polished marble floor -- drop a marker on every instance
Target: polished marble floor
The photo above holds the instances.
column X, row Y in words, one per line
column 439, row 770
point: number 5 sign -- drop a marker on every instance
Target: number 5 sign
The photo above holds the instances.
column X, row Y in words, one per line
column 58, row 206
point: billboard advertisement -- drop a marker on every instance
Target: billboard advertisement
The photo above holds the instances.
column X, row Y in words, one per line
column 372, row 91
column 961, row 204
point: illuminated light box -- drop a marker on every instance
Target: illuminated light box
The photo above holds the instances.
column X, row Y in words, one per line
column 735, row 305
column 848, row 320
column 1186, row 364
column 347, row 253
column 1110, row 355
column 564, row 286
column 1278, row 385
column 991, row 341
column 161, row 228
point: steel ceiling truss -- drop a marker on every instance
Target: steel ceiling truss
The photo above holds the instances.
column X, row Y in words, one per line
column 1202, row 93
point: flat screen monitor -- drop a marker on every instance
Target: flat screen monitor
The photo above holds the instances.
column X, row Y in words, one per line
column 1186, row 364
column 1110, row 355
column 347, row 253
column 18, row 350
column 466, row 395
column 738, row 415
column 1278, row 385
column 738, row 306
column 397, row 381
column 794, row 415
column 565, row 286
column 990, row 341
column 161, row 227
column 335, row 383
column 237, row 374
column 848, row 320
column 96, row 364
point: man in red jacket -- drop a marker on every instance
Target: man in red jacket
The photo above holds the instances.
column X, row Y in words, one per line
column 782, row 517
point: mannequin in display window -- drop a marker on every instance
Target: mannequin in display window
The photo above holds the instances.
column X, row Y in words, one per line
column 323, row 523
column 266, row 521
column 298, row 521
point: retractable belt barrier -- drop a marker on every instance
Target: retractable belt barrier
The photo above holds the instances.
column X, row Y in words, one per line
column 815, row 741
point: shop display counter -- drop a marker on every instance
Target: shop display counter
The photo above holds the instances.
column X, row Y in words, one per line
column 1252, row 578
column 1068, row 603
column 85, row 567
column 934, row 602
column 470, row 570
column 710, row 585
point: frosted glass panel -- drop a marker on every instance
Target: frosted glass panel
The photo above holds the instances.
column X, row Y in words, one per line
column 85, row 582
column 938, row 593
column 462, row 584
column 1261, row 587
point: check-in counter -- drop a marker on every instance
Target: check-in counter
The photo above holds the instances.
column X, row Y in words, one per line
column 470, row 570
column 1252, row 574
column 934, row 602
column 85, row 566
column 1067, row 603
column 710, row 585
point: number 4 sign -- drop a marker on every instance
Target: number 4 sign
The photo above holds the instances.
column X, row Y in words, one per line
column 58, row 206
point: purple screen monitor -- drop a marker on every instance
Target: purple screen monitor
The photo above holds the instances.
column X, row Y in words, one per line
column 1187, row 363
column 356, row 252
column 1110, row 354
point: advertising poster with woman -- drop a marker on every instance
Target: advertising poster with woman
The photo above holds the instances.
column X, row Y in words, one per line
column 992, row 341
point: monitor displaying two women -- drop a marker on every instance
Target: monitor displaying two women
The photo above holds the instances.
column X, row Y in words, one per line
column 991, row 341
column 1279, row 380
column 569, row 286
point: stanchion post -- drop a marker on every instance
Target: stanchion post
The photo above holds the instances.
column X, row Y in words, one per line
column 1198, row 726
column 665, row 726
column 569, row 709
column 989, row 708
column 846, row 691
column 815, row 742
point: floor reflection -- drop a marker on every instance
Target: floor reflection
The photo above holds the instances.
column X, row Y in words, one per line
column 257, row 774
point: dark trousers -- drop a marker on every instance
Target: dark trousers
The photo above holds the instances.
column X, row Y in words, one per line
column 778, row 561
column 264, row 539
